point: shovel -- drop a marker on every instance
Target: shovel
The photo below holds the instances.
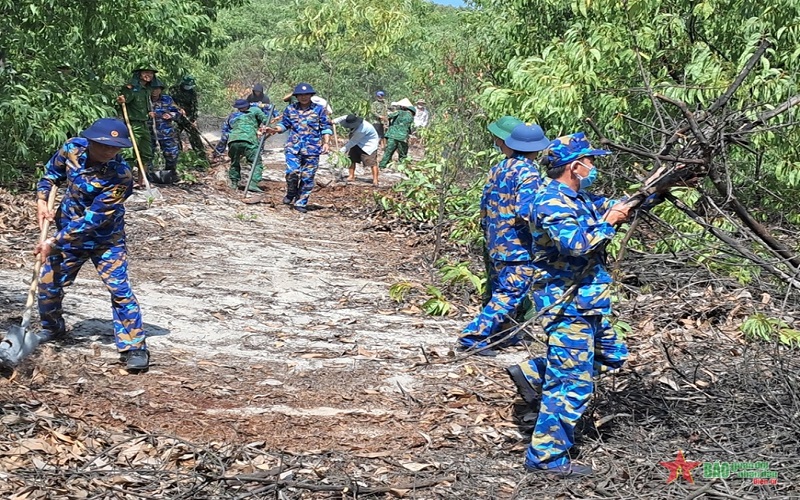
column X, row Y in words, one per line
column 149, row 193
column 252, row 165
column 17, row 343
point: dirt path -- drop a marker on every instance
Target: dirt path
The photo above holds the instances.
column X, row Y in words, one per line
column 276, row 347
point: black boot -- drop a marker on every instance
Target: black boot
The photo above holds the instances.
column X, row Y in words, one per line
column 292, row 188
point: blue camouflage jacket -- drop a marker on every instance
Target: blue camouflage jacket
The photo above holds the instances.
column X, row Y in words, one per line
column 569, row 239
column 165, row 105
column 307, row 127
column 91, row 214
column 507, row 209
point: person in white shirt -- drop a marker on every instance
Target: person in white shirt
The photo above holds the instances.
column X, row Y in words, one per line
column 362, row 147
column 423, row 116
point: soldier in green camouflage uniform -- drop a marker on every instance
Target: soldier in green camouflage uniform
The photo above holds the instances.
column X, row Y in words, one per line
column 185, row 97
column 240, row 134
column 400, row 123
column 136, row 96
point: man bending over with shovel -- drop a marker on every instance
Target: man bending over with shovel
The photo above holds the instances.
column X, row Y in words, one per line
column 90, row 226
column 240, row 134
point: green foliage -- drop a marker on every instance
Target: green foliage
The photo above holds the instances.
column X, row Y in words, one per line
column 189, row 163
column 460, row 273
column 437, row 304
column 621, row 328
column 63, row 62
column 557, row 63
column 759, row 326
column 399, row 291
column 246, row 217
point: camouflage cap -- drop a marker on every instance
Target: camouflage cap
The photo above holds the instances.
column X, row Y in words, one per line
column 145, row 67
column 188, row 82
column 569, row 148
column 503, row 126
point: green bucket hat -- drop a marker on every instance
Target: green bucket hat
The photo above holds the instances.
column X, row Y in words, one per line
column 188, row 82
column 145, row 67
column 503, row 126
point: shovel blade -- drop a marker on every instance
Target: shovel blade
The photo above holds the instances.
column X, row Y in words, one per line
column 16, row 346
column 145, row 196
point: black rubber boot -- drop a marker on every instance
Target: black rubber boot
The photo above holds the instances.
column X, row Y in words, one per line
column 292, row 188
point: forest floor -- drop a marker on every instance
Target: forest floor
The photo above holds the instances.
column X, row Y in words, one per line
column 281, row 369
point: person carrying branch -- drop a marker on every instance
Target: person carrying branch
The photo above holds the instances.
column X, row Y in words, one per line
column 185, row 97
column 240, row 134
column 572, row 292
column 90, row 226
column 310, row 131
column 506, row 213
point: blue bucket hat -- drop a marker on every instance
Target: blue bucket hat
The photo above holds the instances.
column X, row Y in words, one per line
column 303, row 88
column 109, row 132
column 241, row 103
column 380, row 93
column 527, row 138
column 569, row 148
column 503, row 126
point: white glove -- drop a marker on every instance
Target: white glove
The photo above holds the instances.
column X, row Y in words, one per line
column 343, row 150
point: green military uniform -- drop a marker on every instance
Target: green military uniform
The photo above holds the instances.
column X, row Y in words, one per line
column 400, row 123
column 379, row 109
column 240, row 133
column 137, row 103
column 185, row 97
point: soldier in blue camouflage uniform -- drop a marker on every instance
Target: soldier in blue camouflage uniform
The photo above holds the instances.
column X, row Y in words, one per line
column 165, row 115
column 570, row 230
column 311, row 129
column 506, row 212
column 240, row 134
column 90, row 226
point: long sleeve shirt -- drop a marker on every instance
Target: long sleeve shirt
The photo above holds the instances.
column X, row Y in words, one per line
column 365, row 137
column 185, row 99
column 306, row 126
column 242, row 126
column 400, row 122
column 379, row 110
column 569, row 240
column 165, row 106
column 137, row 97
column 422, row 117
column 507, row 209
column 92, row 212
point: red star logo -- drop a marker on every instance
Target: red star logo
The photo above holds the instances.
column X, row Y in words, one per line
column 680, row 466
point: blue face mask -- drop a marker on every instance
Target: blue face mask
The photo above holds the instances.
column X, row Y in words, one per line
column 587, row 181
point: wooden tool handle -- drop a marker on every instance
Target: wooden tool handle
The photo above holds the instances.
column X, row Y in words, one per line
column 135, row 147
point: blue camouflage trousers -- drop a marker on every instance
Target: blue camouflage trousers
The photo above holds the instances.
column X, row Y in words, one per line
column 306, row 167
column 168, row 142
column 60, row 271
column 578, row 349
column 510, row 283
